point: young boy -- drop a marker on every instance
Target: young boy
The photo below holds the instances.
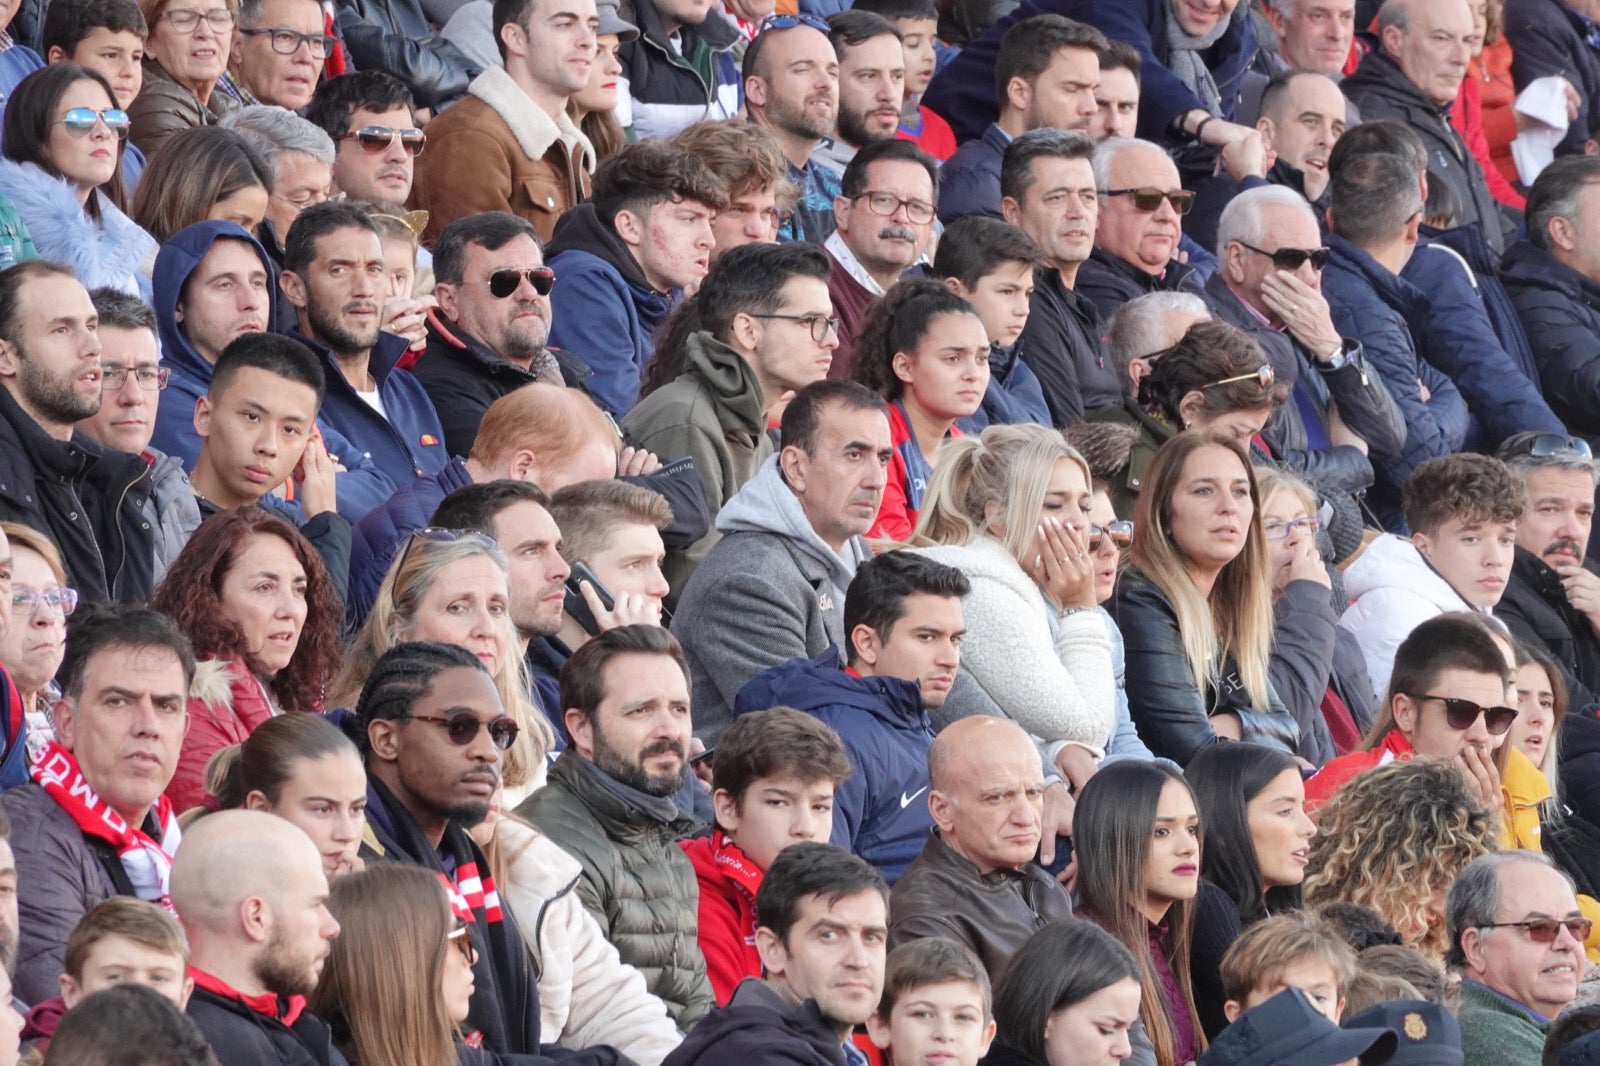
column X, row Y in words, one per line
column 773, row 782
column 918, row 23
column 121, row 940
column 935, row 999
column 106, row 36
column 1287, row 951
column 990, row 264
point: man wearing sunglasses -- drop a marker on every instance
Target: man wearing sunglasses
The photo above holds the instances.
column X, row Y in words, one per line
column 1517, row 933
column 369, row 115
column 277, row 55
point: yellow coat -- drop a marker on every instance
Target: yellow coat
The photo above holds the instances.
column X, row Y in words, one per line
column 1525, row 788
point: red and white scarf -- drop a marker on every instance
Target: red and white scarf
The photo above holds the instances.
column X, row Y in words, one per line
column 148, row 863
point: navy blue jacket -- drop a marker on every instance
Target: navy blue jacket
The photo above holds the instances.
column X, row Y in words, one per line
column 1560, row 312
column 1014, row 393
column 1380, row 309
column 963, row 92
column 1475, row 336
column 969, row 181
column 880, row 812
column 360, row 485
column 1548, row 37
column 404, row 442
column 380, row 531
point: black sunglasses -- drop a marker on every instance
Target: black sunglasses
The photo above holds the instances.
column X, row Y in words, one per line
column 1544, row 445
column 1149, row 198
column 1462, row 713
column 462, row 728
column 502, row 283
column 1292, row 259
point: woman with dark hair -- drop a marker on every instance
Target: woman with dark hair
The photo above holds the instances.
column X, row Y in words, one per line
column 924, row 349
column 64, row 138
column 1069, row 997
column 199, row 175
column 252, row 594
column 1137, row 835
column 1252, row 801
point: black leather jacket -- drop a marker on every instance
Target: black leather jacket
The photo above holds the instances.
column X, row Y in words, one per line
column 394, row 35
column 1536, row 610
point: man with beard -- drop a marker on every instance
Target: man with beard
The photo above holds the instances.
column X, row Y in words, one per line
column 88, row 500
column 872, row 84
column 791, row 86
column 253, row 897
column 885, row 211
column 609, row 805
column 425, row 789
column 335, row 277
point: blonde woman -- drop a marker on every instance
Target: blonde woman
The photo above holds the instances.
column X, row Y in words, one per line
column 1010, row 510
column 453, row 586
column 1195, row 604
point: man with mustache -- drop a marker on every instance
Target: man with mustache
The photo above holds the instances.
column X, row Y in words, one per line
column 872, row 82
column 884, row 212
column 335, row 277
column 610, row 805
column 1552, row 600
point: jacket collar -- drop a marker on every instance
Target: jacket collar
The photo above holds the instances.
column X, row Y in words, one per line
column 942, row 856
column 284, row 1010
column 68, row 459
column 447, row 334
column 731, row 380
column 1169, row 278
column 534, row 130
column 1391, row 288
column 1384, row 74
column 381, row 359
column 1528, row 265
column 617, row 817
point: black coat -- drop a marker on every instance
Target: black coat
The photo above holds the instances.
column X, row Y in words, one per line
column 1062, row 345
column 759, row 1026
column 1110, row 282
column 394, row 35
column 243, row 1036
column 1560, row 313
column 463, row 378
column 1548, row 37
column 1535, row 608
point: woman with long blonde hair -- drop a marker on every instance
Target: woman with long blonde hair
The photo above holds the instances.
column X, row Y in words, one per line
column 1010, row 509
column 1195, row 604
column 453, row 586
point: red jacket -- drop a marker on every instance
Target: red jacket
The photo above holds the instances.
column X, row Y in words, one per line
column 896, row 517
column 934, row 136
column 728, row 883
column 225, row 706
column 1339, row 772
column 1467, row 118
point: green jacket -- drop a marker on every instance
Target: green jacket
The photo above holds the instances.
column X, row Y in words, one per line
column 636, row 881
column 14, row 236
column 712, row 413
column 1495, row 1032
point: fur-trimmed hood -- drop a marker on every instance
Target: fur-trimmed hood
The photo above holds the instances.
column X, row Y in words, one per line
column 105, row 253
column 213, row 682
column 533, row 129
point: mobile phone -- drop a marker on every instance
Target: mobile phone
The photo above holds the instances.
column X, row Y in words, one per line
column 703, row 756
column 577, row 606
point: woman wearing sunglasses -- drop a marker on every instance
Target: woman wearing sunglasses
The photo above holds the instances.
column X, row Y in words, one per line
column 63, row 143
column 184, row 55
column 33, row 645
column 1109, row 537
column 453, row 587
column 252, row 594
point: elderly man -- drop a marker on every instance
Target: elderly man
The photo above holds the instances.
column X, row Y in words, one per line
column 975, row 881
column 1142, row 205
column 1516, row 935
column 884, row 214
column 1413, row 78
column 277, row 53
column 301, row 156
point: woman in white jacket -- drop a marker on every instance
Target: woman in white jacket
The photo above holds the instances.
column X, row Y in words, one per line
column 1009, row 509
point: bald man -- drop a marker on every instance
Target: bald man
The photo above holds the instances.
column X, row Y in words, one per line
column 252, row 897
column 976, row 881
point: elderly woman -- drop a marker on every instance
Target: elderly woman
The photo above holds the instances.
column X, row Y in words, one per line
column 185, row 54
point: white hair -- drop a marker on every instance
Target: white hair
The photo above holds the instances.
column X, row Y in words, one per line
column 1106, row 152
column 277, row 129
column 1244, row 219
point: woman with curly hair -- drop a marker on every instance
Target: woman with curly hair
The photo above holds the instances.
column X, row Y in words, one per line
column 1394, row 839
column 252, row 594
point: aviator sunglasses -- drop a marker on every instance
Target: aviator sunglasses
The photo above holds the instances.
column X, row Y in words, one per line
column 81, row 121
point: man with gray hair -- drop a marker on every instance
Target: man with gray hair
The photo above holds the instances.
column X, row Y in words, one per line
column 300, row 155
column 1516, row 937
column 1552, row 599
column 277, row 54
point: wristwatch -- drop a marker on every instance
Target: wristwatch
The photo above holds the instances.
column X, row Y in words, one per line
column 1339, row 358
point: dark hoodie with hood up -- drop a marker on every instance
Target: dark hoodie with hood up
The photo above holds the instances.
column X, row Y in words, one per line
column 759, row 1025
column 603, row 309
column 880, row 812
column 360, row 485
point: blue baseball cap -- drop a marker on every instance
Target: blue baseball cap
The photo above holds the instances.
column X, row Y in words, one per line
column 1287, row 1030
column 1429, row 1034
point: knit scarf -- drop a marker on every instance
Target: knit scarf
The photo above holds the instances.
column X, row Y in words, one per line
column 1185, row 61
column 147, row 862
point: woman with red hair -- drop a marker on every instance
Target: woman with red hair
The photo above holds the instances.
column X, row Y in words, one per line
column 253, row 596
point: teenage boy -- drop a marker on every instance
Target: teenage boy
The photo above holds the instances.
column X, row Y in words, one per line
column 257, row 425
column 107, row 36
column 990, row 264
column 918, row 23
column 772, row 786
column 1294, row 950
column 935, row 1005
column 120, row 941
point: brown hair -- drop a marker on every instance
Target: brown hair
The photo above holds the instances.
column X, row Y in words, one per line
column 778, row 742
column 586, row 514
column 1473, row 488
column 1263, row 952
column 583, row 678
column 39, row 544
column 270, row 757
column 145, row 924
column 743, row 156
column 931, row 960
column 551, row 421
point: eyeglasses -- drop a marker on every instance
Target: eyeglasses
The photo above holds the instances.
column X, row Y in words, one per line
column 1263, row 374
column 1279, row 530
column 187, row 19
column 435, row 535
column 1462, row 713
column 1148, row 198
column 1292, row 259
column 789, row 22
column 1545, row 930
column 461, row 938
column 81, row 121
column 150, row 378
column 503, row 283
column 25, row 601
column 287, row 42
column 1120, row 532
column 820, row 324
column 377, row 139
column 463, row 728
column 920, row 212
column 1544, row 445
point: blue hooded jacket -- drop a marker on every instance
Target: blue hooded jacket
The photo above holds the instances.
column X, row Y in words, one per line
column 360, row 485
column 880, row 811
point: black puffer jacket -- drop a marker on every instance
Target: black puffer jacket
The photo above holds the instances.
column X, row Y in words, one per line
column 1535, row 609
column 1560, row 313
column 240, row 1034
column 394, row 35
column 758, row 1025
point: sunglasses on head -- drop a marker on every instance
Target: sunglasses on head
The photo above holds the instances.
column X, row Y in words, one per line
column 1120, row 532
column 789, row 22
column 1544, row 445
column 1292, row 259
column 1545, row 930
column 1263, row 374
column 377, row 139
column 1148, row 198
column 1462, row 713
column 81, row 121
column 463, row 726
column 502, row 283
column 436, row 535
